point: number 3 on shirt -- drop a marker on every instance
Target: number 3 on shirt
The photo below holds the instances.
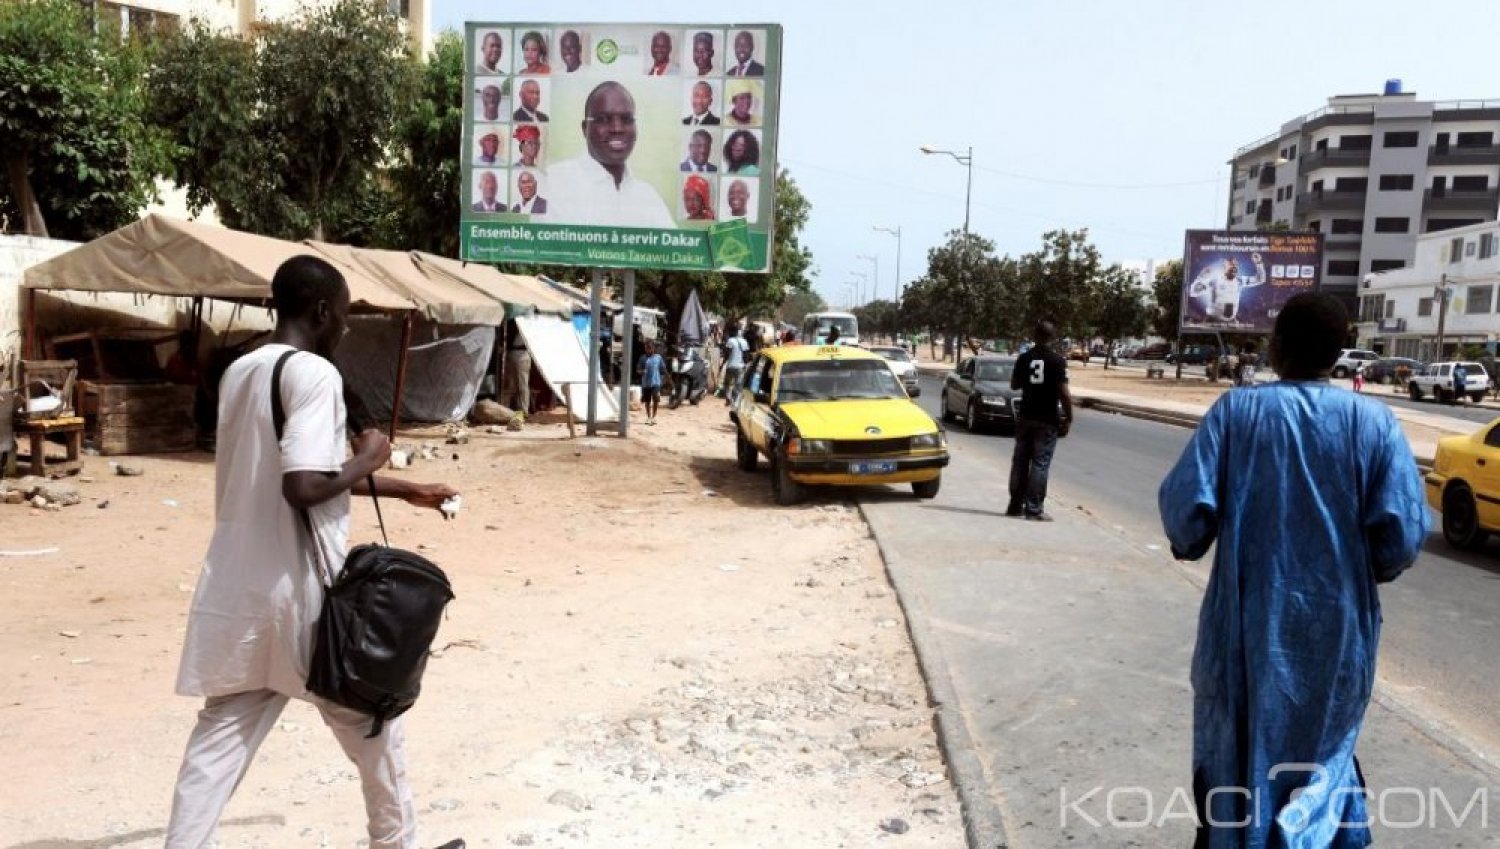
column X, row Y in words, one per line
column 1038, row 371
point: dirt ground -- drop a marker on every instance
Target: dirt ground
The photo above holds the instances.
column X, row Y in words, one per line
column 644, row 652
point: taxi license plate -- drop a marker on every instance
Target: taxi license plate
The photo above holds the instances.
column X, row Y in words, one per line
column 884, row 467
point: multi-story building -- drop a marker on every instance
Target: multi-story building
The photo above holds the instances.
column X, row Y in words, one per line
column 1402, row 312
column 1373, row 172
column 137, row 16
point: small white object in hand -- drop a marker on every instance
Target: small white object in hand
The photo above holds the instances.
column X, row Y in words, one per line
column 450, row 506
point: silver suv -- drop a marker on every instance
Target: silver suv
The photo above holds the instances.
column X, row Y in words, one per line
column 1350, row 359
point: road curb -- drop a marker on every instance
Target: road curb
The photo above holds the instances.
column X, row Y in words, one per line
column 1187, row 420
column 984, row 825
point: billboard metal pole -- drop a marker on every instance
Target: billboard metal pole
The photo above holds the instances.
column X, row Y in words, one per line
column 592, row 423
column 627, row 361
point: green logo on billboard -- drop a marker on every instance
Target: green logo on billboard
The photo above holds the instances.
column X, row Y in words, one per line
column 730, row 242
column 608, row 51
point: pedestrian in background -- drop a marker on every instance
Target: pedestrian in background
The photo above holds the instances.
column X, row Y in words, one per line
column 652, row 367
column 1359, row 378
column 1041, row 375
column 735, row 349
column 1287, row 636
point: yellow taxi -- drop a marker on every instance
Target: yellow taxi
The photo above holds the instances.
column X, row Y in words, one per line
column 834, row 415
column 1464, row 486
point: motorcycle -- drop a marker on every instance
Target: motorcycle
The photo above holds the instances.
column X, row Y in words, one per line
column 689, row 376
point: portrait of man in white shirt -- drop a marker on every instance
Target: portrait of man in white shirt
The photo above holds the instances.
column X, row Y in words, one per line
column 598, row 188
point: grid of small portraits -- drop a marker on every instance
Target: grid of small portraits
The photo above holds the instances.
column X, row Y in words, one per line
column 720, row 74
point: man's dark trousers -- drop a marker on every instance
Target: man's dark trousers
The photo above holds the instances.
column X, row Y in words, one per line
column 1029, row 464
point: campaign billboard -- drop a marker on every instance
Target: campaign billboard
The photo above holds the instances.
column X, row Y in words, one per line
column 1236, row 281
column 621, row 145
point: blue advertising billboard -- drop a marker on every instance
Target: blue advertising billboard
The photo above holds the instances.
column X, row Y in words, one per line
column 1236, row 281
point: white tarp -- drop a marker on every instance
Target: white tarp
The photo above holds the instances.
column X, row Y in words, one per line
column 444, row 367
column 561, row 358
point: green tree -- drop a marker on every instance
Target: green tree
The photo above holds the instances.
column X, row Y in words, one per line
column 80, row 156
column 200, row 84
column 878, row 318
column 960, row 275
column 1060, row 282
column 797, row 305
column 424, row 183
column 1166, row 291
column 298, row 123
column 1122, row 310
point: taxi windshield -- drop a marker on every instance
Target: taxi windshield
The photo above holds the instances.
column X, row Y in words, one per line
column 827, row 380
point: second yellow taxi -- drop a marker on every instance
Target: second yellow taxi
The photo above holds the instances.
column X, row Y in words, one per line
column 1464, row 486
column 834, row 415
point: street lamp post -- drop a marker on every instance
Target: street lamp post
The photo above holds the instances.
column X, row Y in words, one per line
column 874, row 286
column 859, row 287
column 897, row 233
column 967, row 160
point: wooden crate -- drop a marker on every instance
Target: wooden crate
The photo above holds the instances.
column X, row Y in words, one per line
column 140, row 418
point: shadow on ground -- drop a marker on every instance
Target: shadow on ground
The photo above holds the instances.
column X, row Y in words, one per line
column 134, row 836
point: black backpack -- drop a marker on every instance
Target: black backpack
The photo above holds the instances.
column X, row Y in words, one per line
column 379, row 617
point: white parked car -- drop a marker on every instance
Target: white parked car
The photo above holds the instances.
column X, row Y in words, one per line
column 1436, row 382
column 1351, row 359
column 901, row 365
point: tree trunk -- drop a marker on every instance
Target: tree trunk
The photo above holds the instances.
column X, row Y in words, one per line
column 17, row 164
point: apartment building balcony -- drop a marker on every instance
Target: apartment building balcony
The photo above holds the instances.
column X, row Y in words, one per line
column 1454, row 199
column 1342, row 242
column 1450, row 155
column 1310, row 202
column 1334, row 157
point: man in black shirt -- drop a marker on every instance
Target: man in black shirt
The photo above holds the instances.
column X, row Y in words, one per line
column 1042, row 376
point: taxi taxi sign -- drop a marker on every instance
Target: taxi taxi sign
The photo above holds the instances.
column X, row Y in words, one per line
column 835, row 350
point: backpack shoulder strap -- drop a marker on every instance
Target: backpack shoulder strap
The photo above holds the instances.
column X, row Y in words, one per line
column 278, row 410
column 278, row 421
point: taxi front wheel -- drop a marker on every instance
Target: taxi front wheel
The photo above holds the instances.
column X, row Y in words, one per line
column 786, row 490
column 745, row 452
column 927, row 489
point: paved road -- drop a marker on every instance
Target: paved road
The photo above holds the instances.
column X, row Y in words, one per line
column 1459, row 411
column 1063, row 649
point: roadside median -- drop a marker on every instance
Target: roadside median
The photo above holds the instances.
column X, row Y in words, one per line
column 1183, row 403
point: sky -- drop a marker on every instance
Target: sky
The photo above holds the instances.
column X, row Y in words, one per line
column 1114, row 115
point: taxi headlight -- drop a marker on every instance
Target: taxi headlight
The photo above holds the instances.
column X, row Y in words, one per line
column 994, row 401
column 929, row 440
column 810, row 446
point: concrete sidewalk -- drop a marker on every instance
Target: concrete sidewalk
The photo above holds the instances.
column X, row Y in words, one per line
column 1057, row 656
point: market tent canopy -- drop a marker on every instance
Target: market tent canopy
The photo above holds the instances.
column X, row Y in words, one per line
column 521, row 294
column 578, row 296
column 437, row 296
column 159, row 255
